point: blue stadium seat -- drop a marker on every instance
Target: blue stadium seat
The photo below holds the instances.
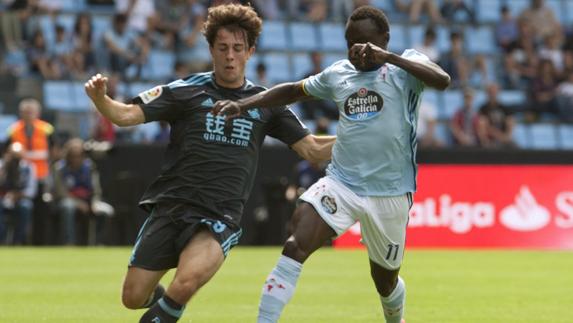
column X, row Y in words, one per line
column 398, row 39
column 47, row 27
column 557, row 8
column 515, row 98
column 59, row 95
column 332, row 127
column 488, row 11
column 251, row 68
column 303, row 36
column 133, row 89
column 543, row 136
column 70, row 5
column 328, row 59
column 566, row 136
column 480, row 97
column 67, row 21
column 517, row 6
column 5, row 121
column 569, row 11
column 521, row 135
column 273, row 36
column 332, row 37
column 278, row 69
column 382, row 4
column 301, row 65
column 443, row 133
column 480, row 40
column 453, row 100
column 443, row 39
column 100, row 24
column 82, row 102
column 159, row 65
column 432, row 97
column 416, row 34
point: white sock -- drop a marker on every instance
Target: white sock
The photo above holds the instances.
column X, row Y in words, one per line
column 278, row 289
column 393, row 305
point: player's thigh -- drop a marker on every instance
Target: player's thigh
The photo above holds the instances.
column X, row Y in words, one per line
column 309, row 233
column 199, row 260
column 383, row 229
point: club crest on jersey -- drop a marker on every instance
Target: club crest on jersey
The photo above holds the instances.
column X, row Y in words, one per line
column 363, row 104
column 150, row 95
column 329, row 204
column 254, row 113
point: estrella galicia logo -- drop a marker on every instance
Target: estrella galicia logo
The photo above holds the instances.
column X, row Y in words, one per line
column 255, row 113
column 328, row 204
column 363, row 104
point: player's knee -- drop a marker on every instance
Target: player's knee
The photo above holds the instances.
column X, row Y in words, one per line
column 131, row 299
column 186, row 287
column 294, row 250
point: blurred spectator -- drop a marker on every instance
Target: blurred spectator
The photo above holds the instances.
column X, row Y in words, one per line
column 313, row 109
column 316, row 10
column 138, row 14
column 163, row 133
column 170, row 17
column 428, row 46
column 543, row 91
column 262, row 79
column 463, row 123
column 303, row 176
column 452, row 11
column 565, row 98
column 11, row 24
column 340, row 10
column 181, row 71
column 414, row 9
column 83, row 54
column 268, row 9
column 506, row 30
column 194, row 49
column 426, row 130
column 495, row 123
column 541, row 19
column 61, row 52
column 552, row 51
column 37, row 138
column 125, row 48
column 322, row 127
column 39, row 58
column 77, row 191
column 17, row 191
column 455, row 62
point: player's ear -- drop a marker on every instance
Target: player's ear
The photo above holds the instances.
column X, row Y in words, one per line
column 250, row 52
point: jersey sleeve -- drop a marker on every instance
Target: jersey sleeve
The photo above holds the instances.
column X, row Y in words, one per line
column 158, row 103
column 319, row 85
column 286, row 127
column 411, row 81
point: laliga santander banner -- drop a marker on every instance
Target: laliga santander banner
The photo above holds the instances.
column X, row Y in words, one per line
column 488, row 206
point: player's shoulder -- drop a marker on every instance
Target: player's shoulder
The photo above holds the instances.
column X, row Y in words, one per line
column 414, row 55
column 341, row 66
column 192, row 81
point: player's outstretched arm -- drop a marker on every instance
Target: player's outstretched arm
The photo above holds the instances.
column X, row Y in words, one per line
column 119, row 113
column 278, row 95
column 315, row 149
column 428, row 72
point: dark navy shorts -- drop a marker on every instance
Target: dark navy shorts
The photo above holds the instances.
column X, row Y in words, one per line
column 165, row 233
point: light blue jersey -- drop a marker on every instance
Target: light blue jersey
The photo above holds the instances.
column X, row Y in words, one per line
column 375, row 149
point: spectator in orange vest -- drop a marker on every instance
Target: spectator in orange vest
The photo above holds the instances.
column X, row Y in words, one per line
column 36, row 137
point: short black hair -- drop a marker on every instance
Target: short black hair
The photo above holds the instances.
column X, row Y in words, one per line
column 376, row 15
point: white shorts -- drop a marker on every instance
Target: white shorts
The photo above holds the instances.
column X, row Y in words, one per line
column 383, row 220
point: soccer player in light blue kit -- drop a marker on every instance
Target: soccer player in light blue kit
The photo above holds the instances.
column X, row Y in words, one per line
column 373, row 171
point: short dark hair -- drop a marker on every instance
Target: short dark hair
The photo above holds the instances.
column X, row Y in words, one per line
column 234, row 17
column 376, row 15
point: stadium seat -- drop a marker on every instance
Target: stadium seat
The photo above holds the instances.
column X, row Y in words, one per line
column 543, row 136
column 566, row 136
column 521, row 135
column 452, row 101
column 443, row 39
column 100, row 24
column 67, row 21
column 301, row 65
column 480, row 40
column 48, row 28
column 82, row 102
column 159, row 65
column 512, row 98
column 432, row 97
column 273, row 36
column 328, row 59
column 5, row 121
column 488, row 11
column 398, row 39
column 480, row 97
column 251, row 68
column 303, row 36
column 416, row 34
column 569, row 11
column 59, row 95
column 517, row 6
column 332, row 37
column 278, row 69
column 382, row 4
column 442, row 132
column 133, row 89
column 557, row 8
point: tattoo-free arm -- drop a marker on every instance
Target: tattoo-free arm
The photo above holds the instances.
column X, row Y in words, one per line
column 428, row 72
column 315, row 149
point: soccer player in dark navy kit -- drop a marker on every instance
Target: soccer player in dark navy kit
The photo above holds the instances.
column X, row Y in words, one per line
column 197, row 201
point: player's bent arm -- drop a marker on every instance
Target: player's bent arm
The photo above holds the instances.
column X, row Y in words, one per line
column 315, row 149
column 428, row 72
column 121, row 114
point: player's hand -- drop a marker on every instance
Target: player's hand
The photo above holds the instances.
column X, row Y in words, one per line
column 367, row 56
column 229, row 109
column 96, row 87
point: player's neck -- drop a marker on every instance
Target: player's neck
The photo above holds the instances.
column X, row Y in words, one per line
column 229, row 85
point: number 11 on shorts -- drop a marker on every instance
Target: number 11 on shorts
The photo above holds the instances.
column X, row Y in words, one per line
column 392, row 248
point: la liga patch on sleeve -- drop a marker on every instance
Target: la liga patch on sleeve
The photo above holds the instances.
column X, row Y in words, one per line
column 151, row 94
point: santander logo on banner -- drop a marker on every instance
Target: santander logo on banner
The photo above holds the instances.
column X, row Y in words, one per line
column 489, row 206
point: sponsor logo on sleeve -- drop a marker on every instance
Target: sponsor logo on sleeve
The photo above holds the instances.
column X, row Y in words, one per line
column 152, row 94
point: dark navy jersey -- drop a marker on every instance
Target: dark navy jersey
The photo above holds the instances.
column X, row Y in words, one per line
column 210, row 163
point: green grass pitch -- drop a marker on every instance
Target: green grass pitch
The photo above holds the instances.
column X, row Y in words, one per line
column 83, row 285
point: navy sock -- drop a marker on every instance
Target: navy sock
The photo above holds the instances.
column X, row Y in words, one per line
column 165, row 310
column 155, row 296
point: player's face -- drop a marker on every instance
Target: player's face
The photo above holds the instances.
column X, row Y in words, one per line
column 362, row 32
column 230, row 53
